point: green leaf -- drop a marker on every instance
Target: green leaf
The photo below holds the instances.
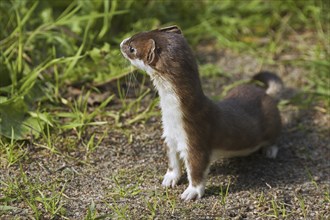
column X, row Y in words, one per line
column 16, row 123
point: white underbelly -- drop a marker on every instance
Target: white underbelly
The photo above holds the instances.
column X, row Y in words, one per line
column 220, row 154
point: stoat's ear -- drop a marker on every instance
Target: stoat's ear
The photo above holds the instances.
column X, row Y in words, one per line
column 151, row 52
column 172, row 29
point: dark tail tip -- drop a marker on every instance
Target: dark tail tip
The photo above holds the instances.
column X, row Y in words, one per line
column 273, row 83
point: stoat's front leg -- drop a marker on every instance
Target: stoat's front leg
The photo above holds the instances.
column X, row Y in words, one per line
column 173, row 173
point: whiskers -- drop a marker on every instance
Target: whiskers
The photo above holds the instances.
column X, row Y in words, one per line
column 128, row 81
column 135, row 83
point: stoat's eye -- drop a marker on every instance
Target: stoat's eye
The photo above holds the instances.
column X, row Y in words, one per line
column 131, row 49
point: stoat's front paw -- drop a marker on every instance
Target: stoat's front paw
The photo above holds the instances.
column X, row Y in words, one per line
column 171, row 178
column 193, row 192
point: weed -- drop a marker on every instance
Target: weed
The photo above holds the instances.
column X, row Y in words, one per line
column 79, row 117
column 152, row 206
column 224, row 193
column 133, row 109
column 52, row 203
column 48, row 140
column 35, row 195
column 121, row 210
column 301, row 201
column 123, row 191
column 278, row 208
column 91, row 145
column 13, row 152
column 261, row 199
column 170, row 201
column 275, row 208
column 91, row 212
column 311, row 178
column 327, row 196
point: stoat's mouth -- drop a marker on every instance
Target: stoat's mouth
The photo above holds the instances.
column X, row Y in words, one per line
column 124, row 54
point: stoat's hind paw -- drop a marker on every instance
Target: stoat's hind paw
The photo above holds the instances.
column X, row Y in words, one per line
column 193, row 193
column 271, row 151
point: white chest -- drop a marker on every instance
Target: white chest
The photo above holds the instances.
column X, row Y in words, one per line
column 174, row 133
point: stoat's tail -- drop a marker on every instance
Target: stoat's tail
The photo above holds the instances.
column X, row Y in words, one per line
column 273, row 83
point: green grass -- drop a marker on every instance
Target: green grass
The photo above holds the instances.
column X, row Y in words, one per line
column 47, row 47
column 224, row 194
column 64, row 44
column 43, row 198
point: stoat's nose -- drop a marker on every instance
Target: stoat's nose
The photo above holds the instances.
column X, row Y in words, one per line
column 123, row 48
column 123, row 42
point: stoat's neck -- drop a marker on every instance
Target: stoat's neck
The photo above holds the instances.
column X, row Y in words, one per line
column 181, row 102
column 187, row 93
column 190, row 93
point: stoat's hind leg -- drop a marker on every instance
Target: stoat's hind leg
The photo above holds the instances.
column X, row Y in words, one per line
column 270, row 151
column 197, row 167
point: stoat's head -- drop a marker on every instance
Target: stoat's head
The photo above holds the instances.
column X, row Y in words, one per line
column 161, row 51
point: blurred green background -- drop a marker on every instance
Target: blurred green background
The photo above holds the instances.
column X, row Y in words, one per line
column 47, row 46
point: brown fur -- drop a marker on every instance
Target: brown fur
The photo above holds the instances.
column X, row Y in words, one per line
column 246, row 117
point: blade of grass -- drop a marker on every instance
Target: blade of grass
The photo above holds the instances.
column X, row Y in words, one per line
column 76, row 57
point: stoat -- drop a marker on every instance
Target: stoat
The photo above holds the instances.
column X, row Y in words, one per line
column 197, row 130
